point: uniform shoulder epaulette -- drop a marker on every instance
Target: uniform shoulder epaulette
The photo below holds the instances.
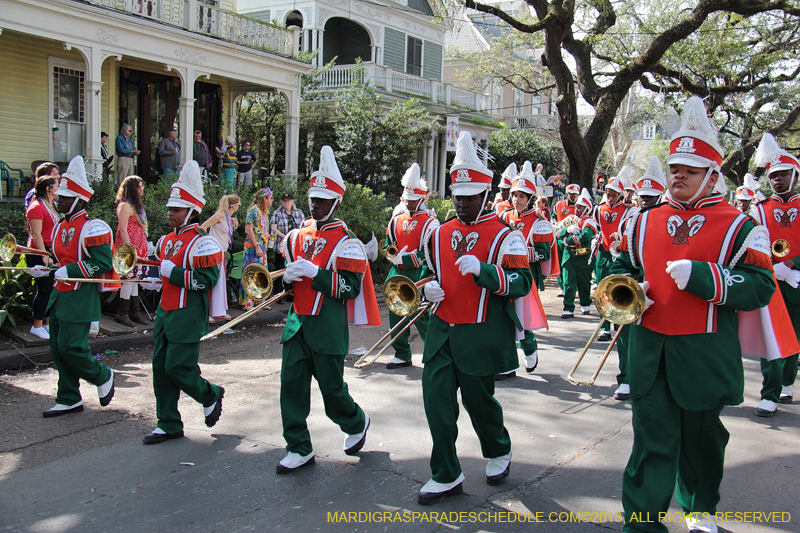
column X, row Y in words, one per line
column 350, row 233
column 201, row 231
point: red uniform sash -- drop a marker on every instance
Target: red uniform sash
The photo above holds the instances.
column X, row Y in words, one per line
column 407, row 230
column 188, row 247
column 70, row 240
column 315, row 245
column 523, row 222
column 781, row 221
column 609, row 219
column 564, row 209
column 467, row 302
column 704, row 233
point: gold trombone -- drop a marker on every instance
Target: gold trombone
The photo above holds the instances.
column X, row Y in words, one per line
column 391, row 251
column 780, row 248
column 619, row 300
column 258, row 283
column 123, row 261
column 403, row 297
column 9, row 248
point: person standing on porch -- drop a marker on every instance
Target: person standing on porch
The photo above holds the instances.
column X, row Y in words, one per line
column 200, row 152
column 228, row 162
column 169, row 152
column 126, row 151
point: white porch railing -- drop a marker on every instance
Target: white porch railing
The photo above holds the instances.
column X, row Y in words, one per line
column 542, row 122
column 207, row 20
column 400, row 82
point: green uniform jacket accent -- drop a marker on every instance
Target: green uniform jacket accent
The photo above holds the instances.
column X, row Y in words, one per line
column 326, row 333
column 791, row 295
column 489, row 347
column 187, row 325
column 541, row 251
column 83, row 305
column 704, row 370
column 585, row 236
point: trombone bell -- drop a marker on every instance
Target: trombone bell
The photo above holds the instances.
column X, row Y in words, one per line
column 257, row 281
column 619, row 299
column 391, row 251
column 402, row 296
column 124, row 259
column 8, row 247
column 780, row 248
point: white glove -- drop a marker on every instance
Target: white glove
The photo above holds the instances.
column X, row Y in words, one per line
column 680, row 271
column 38, row 271
column 398, row 259
column 306, row 269
column 151, row 284
column 166, row 268
column 151, row 248
column 781, row 271
column 469, row 264
column 433, row 292
column 793, row 279
column 61, row 273
column 292, row 273
column 573, row 229
column 645, row 285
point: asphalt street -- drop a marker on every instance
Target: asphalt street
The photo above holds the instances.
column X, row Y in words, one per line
column 90, row 472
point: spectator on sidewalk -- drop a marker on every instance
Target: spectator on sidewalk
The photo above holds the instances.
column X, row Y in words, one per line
column 228, row 162
column 200, row 152
column 221, row 226
column 169, row 152
column 131, row 229
column 256, row 240
column 246, row 160
column 126, row 151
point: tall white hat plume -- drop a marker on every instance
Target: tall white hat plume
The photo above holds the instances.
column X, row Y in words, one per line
column 621, row 181
column 327, row 182
column 697, row 142
column 751, row 182
column 573, row 188
column 653, row 183
column 525, row 180
column 507, row 178
column 414, row 187
column 468, row 175
column 188, row 190
column 585, row 199
column 73, row 182
column 773, row 157
column 721, row 187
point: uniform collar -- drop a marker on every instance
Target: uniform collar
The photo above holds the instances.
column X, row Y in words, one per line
column 708, row 201
column 326, row 226
column 487, row 215
column 526, row 212
column 616, row 204
column 76, row 216
column 187, row 227
column 793, row 198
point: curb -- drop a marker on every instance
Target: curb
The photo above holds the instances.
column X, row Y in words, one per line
column 20, row 358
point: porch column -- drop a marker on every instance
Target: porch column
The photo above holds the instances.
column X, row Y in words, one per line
column 485, row 157
column 93, row 57
column 292, row 131
column 429, row 172
column 186, row 102
column 442, row 164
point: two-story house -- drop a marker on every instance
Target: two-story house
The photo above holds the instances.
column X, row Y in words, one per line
column 74, row 68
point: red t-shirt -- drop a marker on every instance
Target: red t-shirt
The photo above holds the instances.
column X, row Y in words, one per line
column 38, row 211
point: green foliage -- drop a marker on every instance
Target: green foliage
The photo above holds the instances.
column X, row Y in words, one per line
column 12, row 220
column 442, row 206
column 517, row 146
column 16, row 296
column 261, row 119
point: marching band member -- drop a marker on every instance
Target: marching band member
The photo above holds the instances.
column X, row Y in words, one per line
column 746, row 194
column 325, row 262
column 564, row 209
column 575, row 264
column 480, row 263
column 82, row 246
column 408, row 230
column 538, row 233
column 778, row 213
column 505, row 186
column 688, row 362
column 649, row 191
column 190, row 261
column 629, row 194
column 608, row 216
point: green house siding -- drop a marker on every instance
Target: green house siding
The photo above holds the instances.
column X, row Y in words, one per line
column 432, row 61
column 394, row 49
column 258, row 15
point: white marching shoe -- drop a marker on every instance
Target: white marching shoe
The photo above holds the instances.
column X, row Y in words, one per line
column 106, row 391
column 354, row 443
column 497, row 469
column 434, row 492
column 623, row 392
column 766, row 408
column 701, row 526
column 531, row 362
column 294, row 461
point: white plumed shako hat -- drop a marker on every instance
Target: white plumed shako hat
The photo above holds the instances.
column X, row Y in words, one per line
column 468, row 175
column 414, row 187
column 507, row 178
column 327, row 182
column 73, row 182
column 525, row 180
column 188, row 190
column 653, row 183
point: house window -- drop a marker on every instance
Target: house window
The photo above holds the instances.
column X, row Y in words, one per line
column 414, row 56
column 648, row 130
column 497, row 98
column 67, row 98
column 518, row 102
column 535, row 102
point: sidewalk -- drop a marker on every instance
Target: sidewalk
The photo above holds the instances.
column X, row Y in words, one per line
column 22, row 350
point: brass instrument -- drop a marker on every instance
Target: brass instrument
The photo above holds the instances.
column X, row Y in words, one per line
column 403, row 297
column 780, row 248
column 619, row 300
column 391, row 251
column 614, row 248
column 9, row 248
column 567, row 222
column 258, row 283
column 123, row 261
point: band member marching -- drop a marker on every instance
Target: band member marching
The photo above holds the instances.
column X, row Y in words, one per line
column 575, row 265
column 480, row 264
column 746, row 194
column 565, row 208
column 325, row 263
column 608, row 216
column 779, row 214
column 538, row 234
column 407, row 231
column 649, row 192
column 82, row 246
column 505, row 187
column 189, row 269
column 688, row 359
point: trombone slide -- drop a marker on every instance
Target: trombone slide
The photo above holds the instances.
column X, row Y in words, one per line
column 97, row 280
column 246, row 315
column 570, row 377
column 361, row 364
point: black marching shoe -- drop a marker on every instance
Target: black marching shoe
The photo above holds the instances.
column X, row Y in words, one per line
column 354, row 443
column 157, row 438
column 106, row 391
column 397, row 363
column 213, row 416
column 432, row 498
column 506, row 375
column 604, row 336
column 59, row 410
